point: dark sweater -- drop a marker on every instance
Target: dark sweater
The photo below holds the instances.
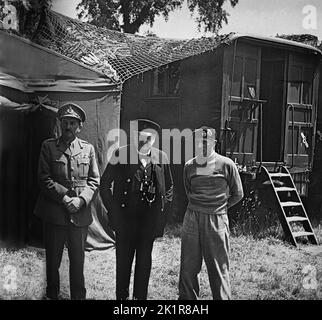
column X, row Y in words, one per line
column 214, row 186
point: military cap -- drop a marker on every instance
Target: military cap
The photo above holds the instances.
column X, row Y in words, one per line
column 205, row 133
column 146, row 124
column 71, row 110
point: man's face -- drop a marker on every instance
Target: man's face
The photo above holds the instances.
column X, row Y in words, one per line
column 144, row 142
column 205, row 146
column 70, row 127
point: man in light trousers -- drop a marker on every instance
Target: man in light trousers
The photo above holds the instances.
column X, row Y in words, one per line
column 212, row 184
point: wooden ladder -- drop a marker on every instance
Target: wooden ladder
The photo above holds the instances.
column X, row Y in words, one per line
column 291, row 207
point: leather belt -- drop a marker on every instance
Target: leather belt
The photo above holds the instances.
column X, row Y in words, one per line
column 71, row 184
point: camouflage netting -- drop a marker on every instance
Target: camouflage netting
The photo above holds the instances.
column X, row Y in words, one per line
column 302, row 38
column 118, row 55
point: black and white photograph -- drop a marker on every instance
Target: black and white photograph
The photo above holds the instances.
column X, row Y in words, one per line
column 166, row 151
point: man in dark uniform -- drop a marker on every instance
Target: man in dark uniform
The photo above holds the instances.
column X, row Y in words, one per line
column 138, row 205
column 68, row 178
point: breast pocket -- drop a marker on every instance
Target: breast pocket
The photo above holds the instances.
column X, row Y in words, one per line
column 83, row 167
column 60, row 168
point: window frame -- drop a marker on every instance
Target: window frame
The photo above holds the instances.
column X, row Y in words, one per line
column 167, row 71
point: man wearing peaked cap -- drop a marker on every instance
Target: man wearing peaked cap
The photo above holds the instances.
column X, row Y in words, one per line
column 137, row 195
column 71, row 110
column 212, row 184
column 68, row 177
column 147, row 125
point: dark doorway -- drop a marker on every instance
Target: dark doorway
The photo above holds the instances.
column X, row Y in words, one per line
column 272, row 90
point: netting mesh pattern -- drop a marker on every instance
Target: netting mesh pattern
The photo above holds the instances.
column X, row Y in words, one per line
column 302, row 38
column 118, row 55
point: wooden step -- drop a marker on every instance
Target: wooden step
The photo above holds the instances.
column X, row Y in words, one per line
column 290, row 204
column 284, row 189
column 278, row 175
column 282, row 181
column 296, row 219
column 302, row 234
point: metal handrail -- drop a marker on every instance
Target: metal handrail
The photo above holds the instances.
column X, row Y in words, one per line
column 289, row 105
column 261, row 133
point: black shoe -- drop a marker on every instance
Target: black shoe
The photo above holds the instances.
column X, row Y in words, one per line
column 78, row 298
column 122, row 298
column 46, row 297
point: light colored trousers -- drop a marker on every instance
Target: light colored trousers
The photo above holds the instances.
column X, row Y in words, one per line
column 204, row 236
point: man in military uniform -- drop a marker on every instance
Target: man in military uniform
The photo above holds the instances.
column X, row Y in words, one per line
column 68, row 177
column 138, row 205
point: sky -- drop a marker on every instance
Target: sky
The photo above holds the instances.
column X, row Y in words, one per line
column 262, row 17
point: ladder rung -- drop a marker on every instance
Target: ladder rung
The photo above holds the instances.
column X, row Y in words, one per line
column 281, row 189
column 302, row 234
column 278, row 175
column 290, row 204
column 296, row 219
column 279, row 185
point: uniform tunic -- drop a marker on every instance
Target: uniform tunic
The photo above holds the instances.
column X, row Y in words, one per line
column 136, row 222
column 62, row 170
column 66, row 170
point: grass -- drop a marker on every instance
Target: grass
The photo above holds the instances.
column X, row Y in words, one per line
column 266, row 268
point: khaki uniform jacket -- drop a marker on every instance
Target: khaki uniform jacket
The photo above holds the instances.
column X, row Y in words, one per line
column 66, row 170
column 116, row 182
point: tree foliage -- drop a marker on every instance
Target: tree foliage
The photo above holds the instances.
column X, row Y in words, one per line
column 31, row 14
column 210, row 14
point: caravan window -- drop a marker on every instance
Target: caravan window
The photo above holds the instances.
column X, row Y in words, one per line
column 245, row 71
column 165, row 81
column 307, row 85
column 300, row 85
column 250, row 75
column 295, row 84
column 237, row 80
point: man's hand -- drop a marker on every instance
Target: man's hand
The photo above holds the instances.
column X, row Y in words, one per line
column 75, row 204
column 66, row 200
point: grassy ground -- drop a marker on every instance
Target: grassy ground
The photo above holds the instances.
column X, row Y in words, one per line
column 260, row 269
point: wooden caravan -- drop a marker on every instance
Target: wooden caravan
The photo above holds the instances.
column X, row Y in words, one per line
column 270, row 101
column 316, row 176
column 259, row 93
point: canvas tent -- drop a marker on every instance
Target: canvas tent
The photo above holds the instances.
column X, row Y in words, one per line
column 34, row 82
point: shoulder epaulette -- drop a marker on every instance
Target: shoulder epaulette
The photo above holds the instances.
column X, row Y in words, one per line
column 83, row 141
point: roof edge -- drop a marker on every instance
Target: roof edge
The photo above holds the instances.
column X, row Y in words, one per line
column 275, row 40
column 27, row 41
